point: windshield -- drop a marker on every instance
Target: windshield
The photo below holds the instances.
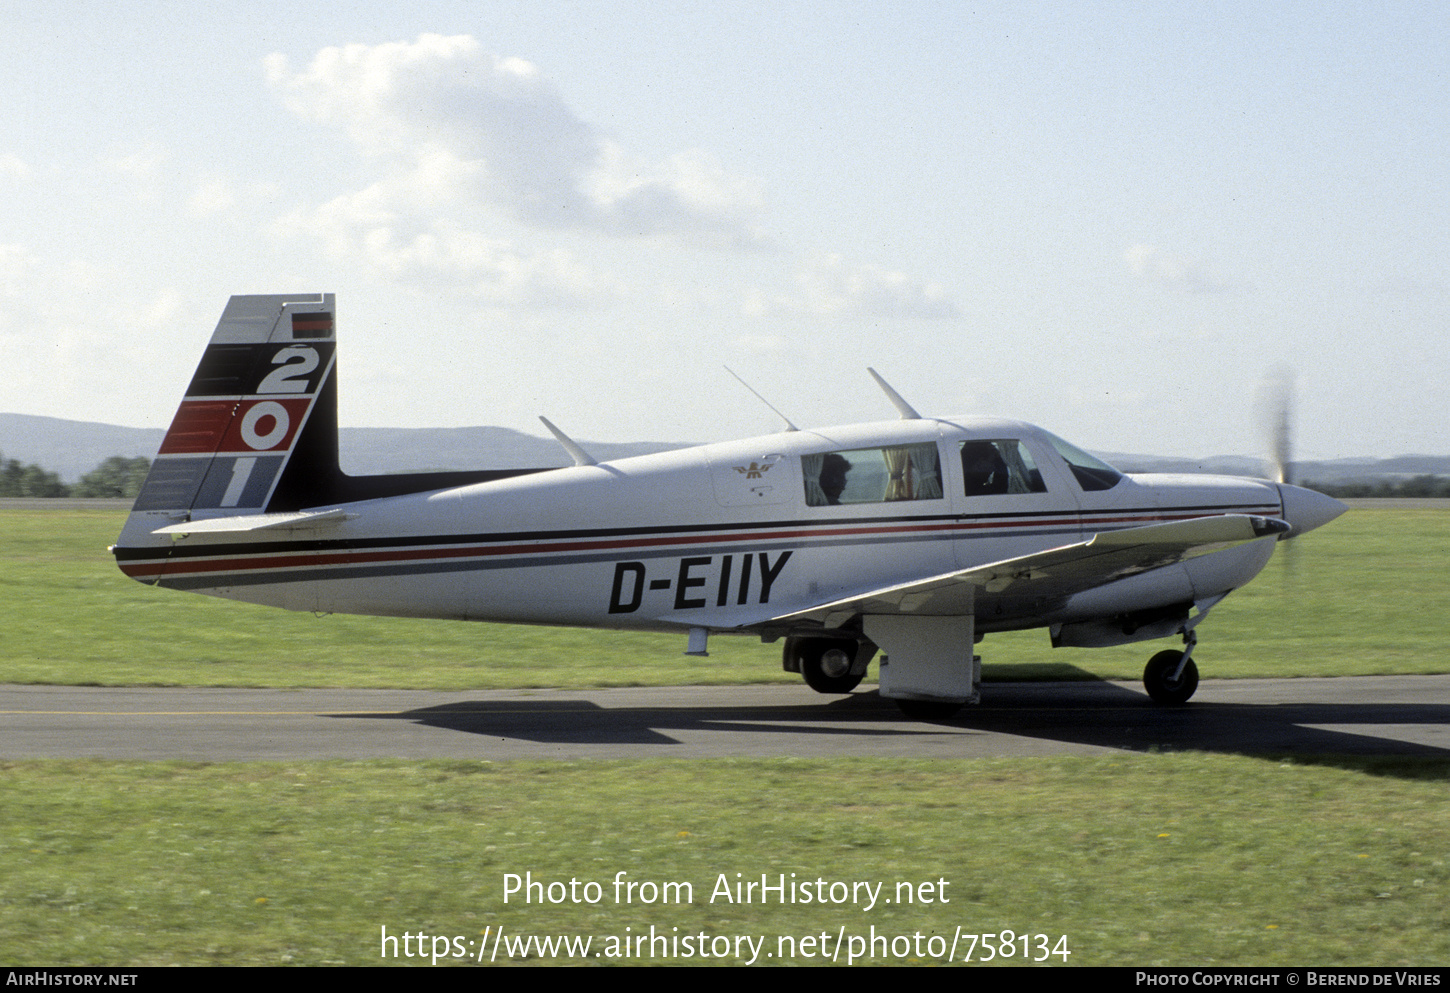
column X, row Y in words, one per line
column 1091, row 473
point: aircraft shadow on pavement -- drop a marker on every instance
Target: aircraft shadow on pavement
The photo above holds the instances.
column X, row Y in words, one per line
column 585, row 723
column 1098, row 714
column 1112, row 716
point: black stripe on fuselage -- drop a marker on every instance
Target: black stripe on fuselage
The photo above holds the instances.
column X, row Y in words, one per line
column 303, row 573
column 496, row 537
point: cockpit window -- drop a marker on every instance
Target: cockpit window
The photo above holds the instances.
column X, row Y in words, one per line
column 999, row 467
column 1091, row 473
column 872, row 475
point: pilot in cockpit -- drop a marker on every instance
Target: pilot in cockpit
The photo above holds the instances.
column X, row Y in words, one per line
column 833, row 477
column 983, row 468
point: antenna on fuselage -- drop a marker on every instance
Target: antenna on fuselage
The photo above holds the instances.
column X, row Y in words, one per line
column 579, row 455
column 906, row 410
column 788, row 425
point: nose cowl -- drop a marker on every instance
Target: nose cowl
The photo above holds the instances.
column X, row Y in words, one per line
column 1306, row 510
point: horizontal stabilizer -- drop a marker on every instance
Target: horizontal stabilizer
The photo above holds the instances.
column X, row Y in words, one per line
column 301, row 521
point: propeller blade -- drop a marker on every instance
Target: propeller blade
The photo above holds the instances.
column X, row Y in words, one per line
column 1276, row 406
column 1276, row 414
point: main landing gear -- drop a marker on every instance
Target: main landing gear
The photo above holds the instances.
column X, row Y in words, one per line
column 928, row 681
column 1171, row 677
column 826, row 663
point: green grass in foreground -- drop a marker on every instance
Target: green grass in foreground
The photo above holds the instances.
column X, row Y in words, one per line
column 1184, row 859
column 1368, row 594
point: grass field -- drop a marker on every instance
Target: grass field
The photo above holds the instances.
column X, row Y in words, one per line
column 1368, row 594
column 1138, row 859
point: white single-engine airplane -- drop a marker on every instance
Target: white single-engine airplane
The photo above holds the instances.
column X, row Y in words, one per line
column 913, row 537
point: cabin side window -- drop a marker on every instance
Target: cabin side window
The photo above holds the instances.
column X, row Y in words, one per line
column 1006, row 466
column 872, row 475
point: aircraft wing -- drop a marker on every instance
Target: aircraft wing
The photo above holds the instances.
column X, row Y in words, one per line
column 1057, row 572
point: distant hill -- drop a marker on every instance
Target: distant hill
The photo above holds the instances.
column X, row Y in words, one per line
column 73, row 448
column 70, row 449
column 366, row 451
column 1327, row 471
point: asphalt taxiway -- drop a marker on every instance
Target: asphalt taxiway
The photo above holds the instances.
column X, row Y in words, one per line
column 1373, row 715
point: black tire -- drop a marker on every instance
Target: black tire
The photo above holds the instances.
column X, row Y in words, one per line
column 929, row 710
column 826, row 665
column 1158, row 681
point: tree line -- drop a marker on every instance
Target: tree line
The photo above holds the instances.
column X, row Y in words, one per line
column 117, row 477
column 1416, row 486
column 120, row 477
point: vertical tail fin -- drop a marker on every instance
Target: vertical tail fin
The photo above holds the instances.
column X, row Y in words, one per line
column 265, row 377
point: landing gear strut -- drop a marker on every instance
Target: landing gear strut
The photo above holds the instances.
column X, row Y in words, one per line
column 1171, row 677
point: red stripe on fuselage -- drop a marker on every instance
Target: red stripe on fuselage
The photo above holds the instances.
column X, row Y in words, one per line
column 242, row 561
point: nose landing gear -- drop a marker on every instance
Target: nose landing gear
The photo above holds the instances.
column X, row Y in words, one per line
column 1171, row 677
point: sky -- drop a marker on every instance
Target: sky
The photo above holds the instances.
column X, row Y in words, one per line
column 1116, row 220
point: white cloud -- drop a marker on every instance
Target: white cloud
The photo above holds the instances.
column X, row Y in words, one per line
column 211, row 197
column 15, row 265
column 1176, row 272
column 84, row 340
column 160, row 312
column 14, row 166
column 17, row 307
column 141, row 164
column 141, row 173
column 829, row 286
column 509, row 141
column 368, row 228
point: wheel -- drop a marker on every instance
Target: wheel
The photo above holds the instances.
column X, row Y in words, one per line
column 928, row 710
column 826, row 665
column 1159, row 682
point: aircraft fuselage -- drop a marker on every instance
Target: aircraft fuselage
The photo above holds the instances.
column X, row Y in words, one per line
column 710, row 536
